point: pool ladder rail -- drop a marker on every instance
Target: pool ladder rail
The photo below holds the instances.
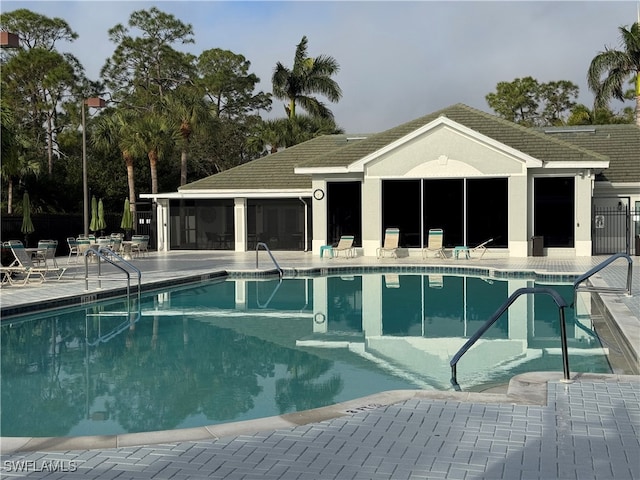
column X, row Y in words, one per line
column 111, row 257
column 585, row 288
column 560, row 302
column 266, row 247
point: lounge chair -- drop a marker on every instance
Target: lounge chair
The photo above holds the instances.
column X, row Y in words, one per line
column 391, row 280
column 345, row 246
column 22, row 266
column 391, row 241
column 482, row 248
column 435, row 243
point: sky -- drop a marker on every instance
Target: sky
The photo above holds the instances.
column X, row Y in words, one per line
column 399, row 60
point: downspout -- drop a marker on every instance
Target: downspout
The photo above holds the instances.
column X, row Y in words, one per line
column 306, row 237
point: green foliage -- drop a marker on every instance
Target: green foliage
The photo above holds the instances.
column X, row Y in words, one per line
column 308, row 76
column 611, row 68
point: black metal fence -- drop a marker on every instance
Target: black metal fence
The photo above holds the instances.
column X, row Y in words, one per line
column 615, row 230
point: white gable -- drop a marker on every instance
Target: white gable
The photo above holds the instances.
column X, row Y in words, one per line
column 444, row 148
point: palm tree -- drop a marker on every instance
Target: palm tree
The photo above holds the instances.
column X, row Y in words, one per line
column 189, row 109
column 116, row 130
column 155, row 135
column 617, row 66
column 307, row 77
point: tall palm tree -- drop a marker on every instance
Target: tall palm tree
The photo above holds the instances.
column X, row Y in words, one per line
column 307, row 77
column 116, row 130
column 617, row 66
column 155, row 135
column 189, row 110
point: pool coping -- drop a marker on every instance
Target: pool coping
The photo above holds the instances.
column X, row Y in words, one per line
column 524, row 389
column 6, row 313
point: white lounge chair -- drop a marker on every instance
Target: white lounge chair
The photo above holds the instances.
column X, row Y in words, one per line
column 391, row 241
column 22, row 270
column 435, row 243
column 345, row 246
column 482, row 248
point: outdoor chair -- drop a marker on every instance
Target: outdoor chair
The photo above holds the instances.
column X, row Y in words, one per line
column 22, row 266
column 139, row 245
column 434, row 243
column 482, row 248
column 345, row 246
column 72, row 243
column 391, row 241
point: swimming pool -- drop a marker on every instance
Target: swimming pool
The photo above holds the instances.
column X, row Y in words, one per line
column 224, row 351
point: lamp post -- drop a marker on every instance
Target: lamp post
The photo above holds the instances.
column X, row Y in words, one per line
column 9, row 40
column 94, row 102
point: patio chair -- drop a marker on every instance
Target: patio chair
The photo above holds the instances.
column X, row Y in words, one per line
column 345, row 246
column 391, row 241
column 482, row 248
column 434, row 243
column 139, row 245
column 72, row 243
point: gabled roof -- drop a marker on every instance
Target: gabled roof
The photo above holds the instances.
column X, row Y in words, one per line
column 621, row 143
column 277, row 171
column 274, row 171
column 529, row 141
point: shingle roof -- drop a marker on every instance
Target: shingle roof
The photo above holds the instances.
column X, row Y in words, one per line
column 526, row 140
column 621, row 143
column 618, row 143
column 275, row 171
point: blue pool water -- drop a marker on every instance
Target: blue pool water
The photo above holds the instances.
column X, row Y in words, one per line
column 240, row 349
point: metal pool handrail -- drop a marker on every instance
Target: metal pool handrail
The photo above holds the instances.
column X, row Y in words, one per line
column 597, row 268
column 266, row 247
column 560, row 302
column 104, row 254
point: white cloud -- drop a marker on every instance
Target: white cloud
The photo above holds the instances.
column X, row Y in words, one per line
column 399, row 60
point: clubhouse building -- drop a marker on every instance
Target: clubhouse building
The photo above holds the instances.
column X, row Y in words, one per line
column 562, row 191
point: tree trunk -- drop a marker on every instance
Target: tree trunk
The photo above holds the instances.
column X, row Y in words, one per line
column 10, row 196
column 183, row 167
column 153, row 164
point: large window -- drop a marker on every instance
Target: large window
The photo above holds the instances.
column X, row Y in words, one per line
column 344, row 211
column 470, row 211
column 444, row 208
column 487, row 211
column 401, row 209
column 554, row 211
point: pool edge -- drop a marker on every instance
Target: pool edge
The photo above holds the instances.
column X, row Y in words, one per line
column 526, row 389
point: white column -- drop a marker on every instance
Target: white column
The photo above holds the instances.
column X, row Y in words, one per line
column 240, row 224
column 371, row 215
column 319, row 216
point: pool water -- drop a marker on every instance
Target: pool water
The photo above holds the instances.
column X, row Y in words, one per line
column 241, row 349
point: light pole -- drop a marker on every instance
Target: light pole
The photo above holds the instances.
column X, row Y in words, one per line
column 9, row 40
column 94, row 102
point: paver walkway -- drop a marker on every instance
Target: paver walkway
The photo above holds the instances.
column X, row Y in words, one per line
column 589, row 429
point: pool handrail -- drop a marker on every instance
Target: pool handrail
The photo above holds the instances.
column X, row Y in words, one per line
column 600, row 266
column 103, row 253
column 266, row 247
column 560, row 302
